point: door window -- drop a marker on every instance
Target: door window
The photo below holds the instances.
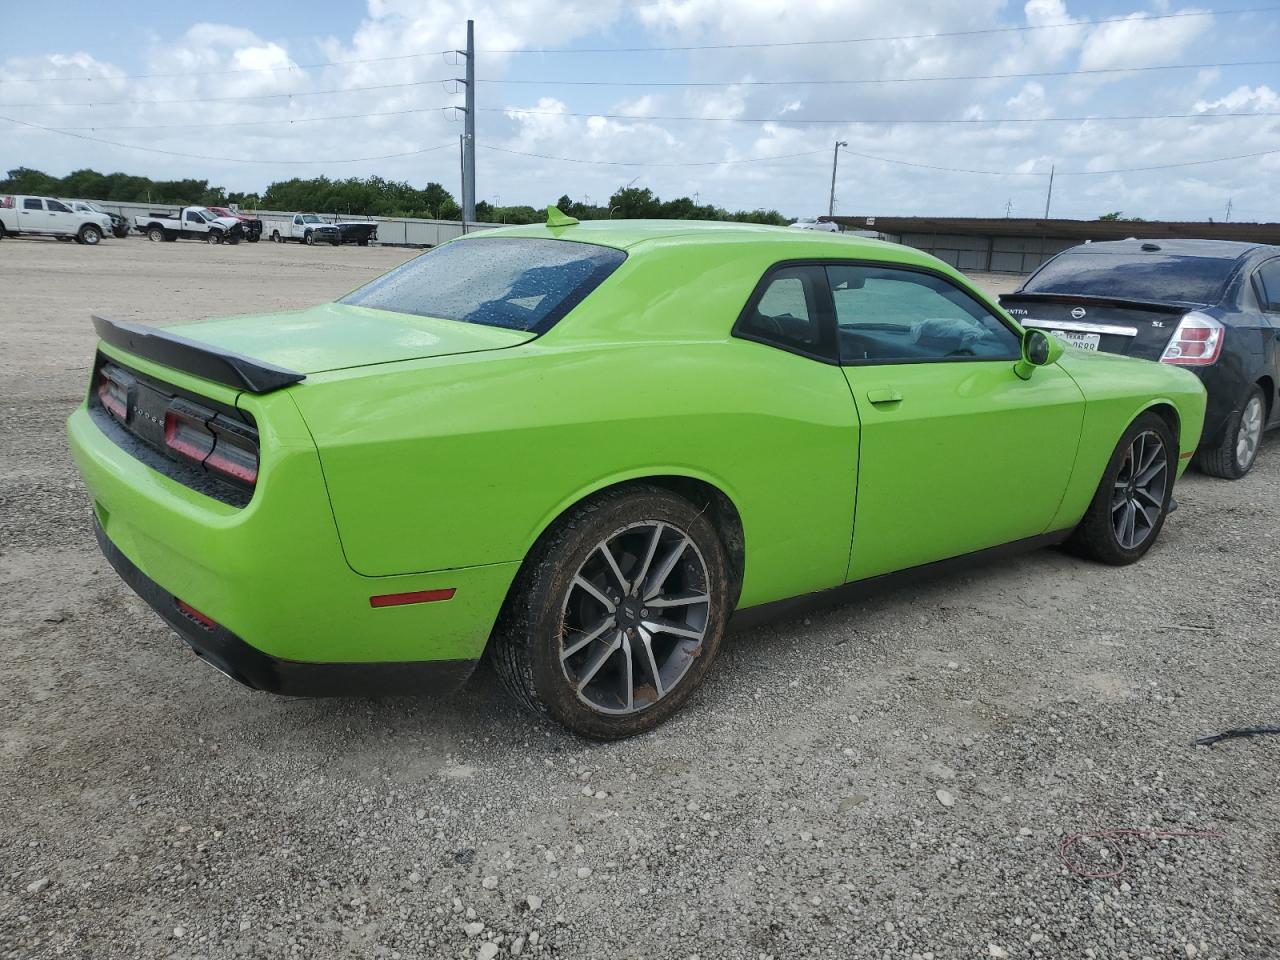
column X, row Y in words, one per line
column 786, row 311
column 32, row 203
column 57, row 207
column 888, row 315
column 194, row 216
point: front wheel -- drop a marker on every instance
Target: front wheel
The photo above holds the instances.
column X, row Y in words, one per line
column 213, row 237
column 308, row 239
column 253, row 238
column 617, row 614
column 1132, row 501
column 89, row 234
column 1234, row 456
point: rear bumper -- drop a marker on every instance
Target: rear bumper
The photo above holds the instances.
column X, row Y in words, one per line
column 260, row 671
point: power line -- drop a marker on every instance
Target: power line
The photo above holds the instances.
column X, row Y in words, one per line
column 196, row 156
column 892, row 160
column 279, row 121
column 874, row 80
column 910, row 36
column 655, row 163
column 220, row 73
column 877, row 120
column 256, row 96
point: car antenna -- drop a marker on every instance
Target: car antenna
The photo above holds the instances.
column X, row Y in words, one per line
column 557, row 219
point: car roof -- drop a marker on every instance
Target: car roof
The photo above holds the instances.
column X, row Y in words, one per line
column 1212, row 249
column 624, row 234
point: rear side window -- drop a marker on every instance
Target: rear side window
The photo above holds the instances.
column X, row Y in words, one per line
column 1269, row 279
column 520, row 283
column 788, row 311
column 1131, row 276
column 32, row 203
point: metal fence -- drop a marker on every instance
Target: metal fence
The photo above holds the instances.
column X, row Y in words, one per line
column 986, row 253
column 392, row 231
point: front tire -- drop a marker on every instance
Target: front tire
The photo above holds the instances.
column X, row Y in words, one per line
column 1235, row 455
column 213, row 237
column 1131, row 503
column 308, row 239
column 89, row 235
column 617, row 614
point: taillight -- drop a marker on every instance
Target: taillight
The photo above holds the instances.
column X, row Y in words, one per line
column 186, row 433
column 235, row 454
column 1196, row 343
column 216, row 442
column 113, row 392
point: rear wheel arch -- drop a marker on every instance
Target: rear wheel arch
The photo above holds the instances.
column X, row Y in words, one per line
column 701, row 492
column 1268, row 388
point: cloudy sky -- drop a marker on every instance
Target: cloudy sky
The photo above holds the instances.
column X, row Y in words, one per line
column 265, row 91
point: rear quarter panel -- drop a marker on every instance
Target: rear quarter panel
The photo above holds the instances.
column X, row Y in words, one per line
column 1117, row 390
column 465, row 460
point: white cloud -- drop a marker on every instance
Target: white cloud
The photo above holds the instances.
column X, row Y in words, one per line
column 402, row 40
column 1139, row 41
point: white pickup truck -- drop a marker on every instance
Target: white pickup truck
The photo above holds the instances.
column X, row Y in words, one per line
column 311, row 228
column 189, row 223
column 50, row 217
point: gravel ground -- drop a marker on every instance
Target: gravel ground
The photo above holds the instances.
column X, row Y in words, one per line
column 888, row 780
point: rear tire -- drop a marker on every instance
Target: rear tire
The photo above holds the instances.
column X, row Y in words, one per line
column 275, row 237
column 1236, row 454
column 254, row 239
column 155, row 234
column 666, row 571
column 1129, row 508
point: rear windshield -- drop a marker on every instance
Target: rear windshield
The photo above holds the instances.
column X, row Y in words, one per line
column 520, row 283
column 1148, row 276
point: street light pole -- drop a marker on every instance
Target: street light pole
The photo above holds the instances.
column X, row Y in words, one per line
column 835, row 159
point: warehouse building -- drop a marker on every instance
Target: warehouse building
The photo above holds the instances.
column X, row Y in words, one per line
column 1008, row 245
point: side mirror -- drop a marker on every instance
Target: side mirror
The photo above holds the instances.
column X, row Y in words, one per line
column 1039, row 349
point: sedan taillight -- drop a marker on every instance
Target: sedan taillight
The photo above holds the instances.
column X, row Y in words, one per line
column 1196, row 343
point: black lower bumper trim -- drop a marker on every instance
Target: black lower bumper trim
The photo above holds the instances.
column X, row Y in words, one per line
column 252, row 667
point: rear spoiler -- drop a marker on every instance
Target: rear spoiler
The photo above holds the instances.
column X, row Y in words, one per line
column 1160, row 306
column 199, row 359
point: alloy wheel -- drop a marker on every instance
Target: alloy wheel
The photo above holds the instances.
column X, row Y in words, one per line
column 1250, row 433
column 634, row 618
column 1138, row 494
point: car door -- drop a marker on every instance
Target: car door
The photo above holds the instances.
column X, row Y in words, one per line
column 297, row 226
column 958, row 453
column 193, row 223
column 32, row 216
column 61, row 217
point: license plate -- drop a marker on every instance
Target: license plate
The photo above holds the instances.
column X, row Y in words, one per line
column 1084, row 341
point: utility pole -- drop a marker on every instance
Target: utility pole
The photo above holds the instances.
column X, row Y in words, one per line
column 835, row 159
column 1049, row 196
column 1008, row 208
column 469, row 130
column 1227, row 218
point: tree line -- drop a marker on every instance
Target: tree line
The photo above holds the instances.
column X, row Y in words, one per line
column 367, row 196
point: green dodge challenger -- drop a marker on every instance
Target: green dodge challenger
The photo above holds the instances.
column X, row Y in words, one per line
column 579, row 448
